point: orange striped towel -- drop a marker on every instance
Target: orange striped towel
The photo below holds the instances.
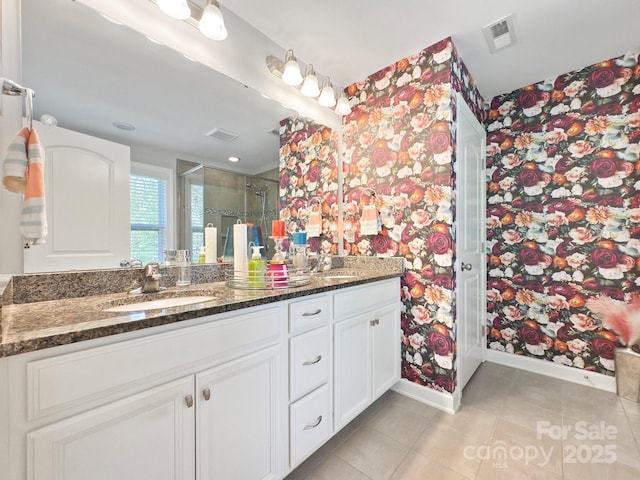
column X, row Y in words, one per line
column 33, row 222
column 15, row 163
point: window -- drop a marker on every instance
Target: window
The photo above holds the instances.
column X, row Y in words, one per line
column 151, row 191
column 197, row 219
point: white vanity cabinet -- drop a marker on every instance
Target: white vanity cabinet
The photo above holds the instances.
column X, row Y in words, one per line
column 366, row 347
column 244, row 395
column 198, row 402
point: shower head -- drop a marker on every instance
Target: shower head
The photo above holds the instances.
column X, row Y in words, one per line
column 259, row 189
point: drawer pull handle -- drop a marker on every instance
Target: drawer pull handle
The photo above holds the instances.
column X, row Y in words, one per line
column 309, row 427
column 189, row 400
column 374, row 322
column 206, row 393
column 311, row 314
column 313, row 362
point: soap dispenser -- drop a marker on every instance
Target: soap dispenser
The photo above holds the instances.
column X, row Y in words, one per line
column 256, row 267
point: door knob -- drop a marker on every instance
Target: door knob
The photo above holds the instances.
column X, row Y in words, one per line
column 465, row 266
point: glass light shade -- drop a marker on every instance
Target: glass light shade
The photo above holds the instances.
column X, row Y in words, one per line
column 212, row 24
column 310, row 86
column 327, row 97
column 343, row 107
column 175, row 8
column 291, row 72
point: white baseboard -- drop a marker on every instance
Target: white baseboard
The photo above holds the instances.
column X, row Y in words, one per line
column 550, row 369
column 442, row 401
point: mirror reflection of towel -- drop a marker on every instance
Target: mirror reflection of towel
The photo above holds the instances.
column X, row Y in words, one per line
column 33, row 221
column 314, row 226
column 15, row 163
column 369, row 222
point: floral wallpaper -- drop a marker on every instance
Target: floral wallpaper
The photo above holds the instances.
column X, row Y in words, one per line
column 399, row 141
column 564, row 212
column 308, row 171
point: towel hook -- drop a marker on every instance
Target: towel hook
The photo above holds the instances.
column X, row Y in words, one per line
column 28, row 101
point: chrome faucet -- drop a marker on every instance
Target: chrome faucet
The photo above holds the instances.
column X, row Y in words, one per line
column 323, row 263
column 151, row 278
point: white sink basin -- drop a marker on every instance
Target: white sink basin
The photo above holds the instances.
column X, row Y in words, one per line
column 158, row 304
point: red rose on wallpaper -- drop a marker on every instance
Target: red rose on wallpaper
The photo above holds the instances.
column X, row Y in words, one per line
column 529, row 256
column 439, row 142
column 527, row 99
column 439, row 243
column 529, row 178
column 602, row 77
column 444, row 382
column 381, row 243
column 530, row 335
column 440, row 344
column 605, row 258
column 380, row 157
column 603, row 167
column 603, row 348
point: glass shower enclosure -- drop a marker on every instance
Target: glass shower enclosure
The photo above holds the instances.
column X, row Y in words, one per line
column 208, row 195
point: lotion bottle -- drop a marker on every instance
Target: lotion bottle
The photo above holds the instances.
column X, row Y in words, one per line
column 256, row 267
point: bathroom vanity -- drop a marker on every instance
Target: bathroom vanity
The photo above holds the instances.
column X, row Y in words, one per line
column 245, row 386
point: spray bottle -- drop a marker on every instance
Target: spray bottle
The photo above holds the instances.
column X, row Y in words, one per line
column 256, row 267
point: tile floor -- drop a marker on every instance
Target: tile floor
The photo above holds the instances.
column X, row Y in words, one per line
column 509, row 427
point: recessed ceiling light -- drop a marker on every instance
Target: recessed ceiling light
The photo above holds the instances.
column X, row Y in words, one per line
column 234, row 159
column 108, row 18
column 124, row 126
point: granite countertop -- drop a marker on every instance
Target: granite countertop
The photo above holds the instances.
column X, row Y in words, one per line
column 26, row 327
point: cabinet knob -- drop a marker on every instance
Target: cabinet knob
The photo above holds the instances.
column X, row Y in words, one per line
column 465, row 266
column 311, row 314
column 206, row 393
column 189, row 400
column 314, row 361
column 374, row 322
column 313, row 425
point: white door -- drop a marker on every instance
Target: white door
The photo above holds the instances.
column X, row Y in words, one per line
column 149, row 435
column 386, row 349
column 352, row 364
column 238, row 419
column 87, row 196
column 470, row 232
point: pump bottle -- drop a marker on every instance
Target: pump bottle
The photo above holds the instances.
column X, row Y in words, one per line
column 256, row 267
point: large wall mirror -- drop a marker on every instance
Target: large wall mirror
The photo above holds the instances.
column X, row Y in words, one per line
column 101, row 79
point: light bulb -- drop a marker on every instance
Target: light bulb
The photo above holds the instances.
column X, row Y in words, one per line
column 291, row 73
column 310, row 84
column 178, row 9
column 343, row 107
column 211, row 23
column 327, row 98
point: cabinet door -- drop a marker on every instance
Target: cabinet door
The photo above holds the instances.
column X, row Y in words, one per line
column 238, row 424
column 352, row 375
column 149, row 435
column 386, row 349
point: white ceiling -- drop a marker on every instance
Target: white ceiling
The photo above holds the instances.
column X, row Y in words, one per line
column 349, row 40
column 117, row 75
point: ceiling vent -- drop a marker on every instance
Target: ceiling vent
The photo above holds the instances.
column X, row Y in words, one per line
column 222, row 135
column 500, row 34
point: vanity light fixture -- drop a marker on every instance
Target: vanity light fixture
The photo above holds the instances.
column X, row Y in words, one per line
column 178, row 9
column 310, row 84
column 291, row 73
column 327, row 97
column 343, row 107
column 211, row 23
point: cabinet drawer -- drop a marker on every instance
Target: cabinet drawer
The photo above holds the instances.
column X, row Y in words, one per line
column 309, row 424
column 308, row 362
column 356, row 300
column 91, row 376
column 307, row 314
